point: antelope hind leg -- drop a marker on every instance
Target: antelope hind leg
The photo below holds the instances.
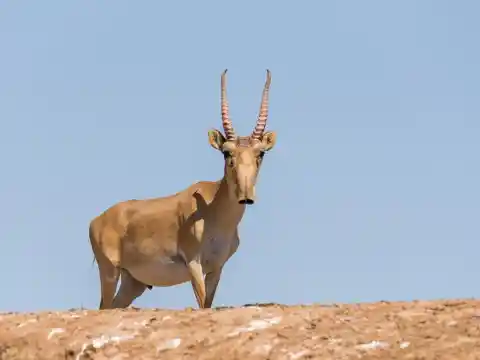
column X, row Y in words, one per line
column 109, row 275
column 130, row 289
column 198, row 283
column 211, row 282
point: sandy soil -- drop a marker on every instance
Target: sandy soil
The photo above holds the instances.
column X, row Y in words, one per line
column 384, row 330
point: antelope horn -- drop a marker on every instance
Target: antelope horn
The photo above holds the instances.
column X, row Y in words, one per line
column 226, row 122
column 263, row 113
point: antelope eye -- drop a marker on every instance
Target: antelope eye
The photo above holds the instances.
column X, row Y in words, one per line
column 261, row 155
column 226, row 154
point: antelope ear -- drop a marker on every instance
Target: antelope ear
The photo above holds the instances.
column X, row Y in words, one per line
column 216, row 139
column 268, row 140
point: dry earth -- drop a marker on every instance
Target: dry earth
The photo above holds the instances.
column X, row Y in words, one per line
column 384, row 330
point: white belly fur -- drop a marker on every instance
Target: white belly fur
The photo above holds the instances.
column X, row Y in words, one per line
column 167, row 271
column 163, row 271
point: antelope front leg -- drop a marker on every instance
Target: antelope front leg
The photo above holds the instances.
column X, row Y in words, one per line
column 211, row 282
column 198, row 284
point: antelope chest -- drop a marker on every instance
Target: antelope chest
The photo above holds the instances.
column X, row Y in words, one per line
column 215, row 251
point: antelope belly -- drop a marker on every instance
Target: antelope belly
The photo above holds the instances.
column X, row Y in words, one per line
column 163, row 271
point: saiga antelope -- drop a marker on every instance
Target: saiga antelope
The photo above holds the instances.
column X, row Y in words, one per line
column 182, row 237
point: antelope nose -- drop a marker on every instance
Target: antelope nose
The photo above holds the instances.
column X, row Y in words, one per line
column 246, row 188
column 246, row 201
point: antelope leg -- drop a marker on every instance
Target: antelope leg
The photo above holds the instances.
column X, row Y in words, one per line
column 211, row 282
column 109, row 275
column 130, row 289
column 198, row 283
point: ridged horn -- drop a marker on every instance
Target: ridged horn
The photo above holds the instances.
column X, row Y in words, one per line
column 263, row 113
column 226, row 122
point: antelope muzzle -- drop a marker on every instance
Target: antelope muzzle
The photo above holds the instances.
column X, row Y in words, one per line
column 246, row 190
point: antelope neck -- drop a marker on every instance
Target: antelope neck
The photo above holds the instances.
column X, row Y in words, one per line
column 227, row 210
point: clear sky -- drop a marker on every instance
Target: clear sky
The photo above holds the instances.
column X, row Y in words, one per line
column 371, row 193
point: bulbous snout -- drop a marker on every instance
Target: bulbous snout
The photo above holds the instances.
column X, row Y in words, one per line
column 246, row 187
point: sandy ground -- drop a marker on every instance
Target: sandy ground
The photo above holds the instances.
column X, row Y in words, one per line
column 384, row 330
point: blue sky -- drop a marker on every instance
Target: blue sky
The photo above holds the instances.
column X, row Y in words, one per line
column 371, row 193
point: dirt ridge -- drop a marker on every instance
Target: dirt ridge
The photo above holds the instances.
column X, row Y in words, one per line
column 441, row 329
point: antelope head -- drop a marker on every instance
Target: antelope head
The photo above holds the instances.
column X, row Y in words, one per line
column 243, row 154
